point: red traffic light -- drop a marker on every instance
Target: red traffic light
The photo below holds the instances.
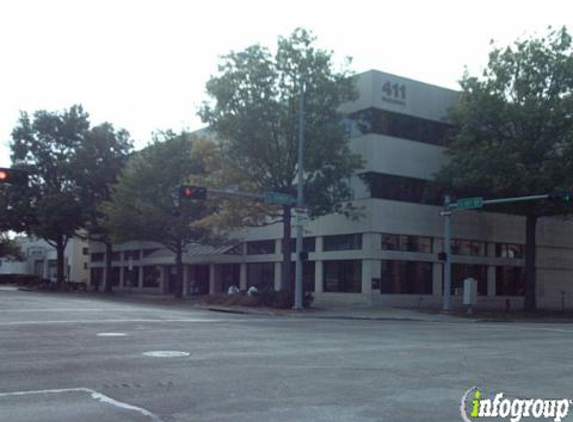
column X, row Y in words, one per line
column 193, row 192
column 13, row 176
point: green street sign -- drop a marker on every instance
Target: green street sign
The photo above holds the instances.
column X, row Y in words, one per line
column 469, row 203
column 278, row 198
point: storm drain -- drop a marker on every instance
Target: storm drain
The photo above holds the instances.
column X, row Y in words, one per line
column 166, row 354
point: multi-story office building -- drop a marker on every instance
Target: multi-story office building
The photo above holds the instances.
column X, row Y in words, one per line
column 390, row 256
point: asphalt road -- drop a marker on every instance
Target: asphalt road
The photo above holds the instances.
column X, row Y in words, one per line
column 77, row 358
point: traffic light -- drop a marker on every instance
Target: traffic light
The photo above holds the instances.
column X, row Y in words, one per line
column 14, row 176
column 193, row 192
column 560, row 196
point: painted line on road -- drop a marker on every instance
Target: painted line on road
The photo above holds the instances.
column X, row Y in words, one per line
column 94, row 395
column 69, row 309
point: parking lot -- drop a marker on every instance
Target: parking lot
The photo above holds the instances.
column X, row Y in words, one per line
column 80, row 357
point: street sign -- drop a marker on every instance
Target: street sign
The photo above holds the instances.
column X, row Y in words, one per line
column 278, row 198
column 469, row 203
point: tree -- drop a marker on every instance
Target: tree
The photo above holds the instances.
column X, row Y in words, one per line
column 98, row 162
column 254, row 114
column 513, row 133
column 145, row 205
column 49, row 207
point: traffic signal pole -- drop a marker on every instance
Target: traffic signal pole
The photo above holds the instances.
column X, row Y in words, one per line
column 468, row 204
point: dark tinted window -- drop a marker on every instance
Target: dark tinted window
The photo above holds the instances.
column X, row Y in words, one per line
column 261, row 247
column 509, row 281
column 399, row 242
column 342, row 242
column 343, row 276
column 398, row 125
column 406, row 277
column 400, row 188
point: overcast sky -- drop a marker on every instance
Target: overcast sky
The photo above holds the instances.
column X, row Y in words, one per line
column 142, row 65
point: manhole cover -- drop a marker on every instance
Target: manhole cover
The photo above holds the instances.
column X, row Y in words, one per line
column 111, row 334
column 166, row 354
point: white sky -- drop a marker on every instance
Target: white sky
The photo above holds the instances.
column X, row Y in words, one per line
column 142, row 65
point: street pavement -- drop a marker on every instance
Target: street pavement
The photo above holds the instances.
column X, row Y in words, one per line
column 76, row 357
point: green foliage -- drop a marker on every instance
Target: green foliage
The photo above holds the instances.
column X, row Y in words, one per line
column 49, row 207
column 513, row 133
column 513, row 127
column 254, row 114
column 145, row 204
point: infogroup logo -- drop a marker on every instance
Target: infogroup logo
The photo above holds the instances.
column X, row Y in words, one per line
column 474, row 407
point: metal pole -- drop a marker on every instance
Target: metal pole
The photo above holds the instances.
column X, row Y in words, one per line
column 447, row 249
column 298, row 304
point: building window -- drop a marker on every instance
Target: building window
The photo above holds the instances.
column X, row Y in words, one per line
column 462, row 271
column 151, row 275
column 406, row 277
column 509, row 250
column 398, row 242
column 342, row 242
column 235, row 250
column 261, row 247
column 97, row 257
column 84, row 251
column 343, row 276
column 147, row 252
column 509, row 281
column 85, row 265
column 115, row 276
column 133, row 255
column 468, row 247
column 308, row 244
column 400, row 188
column 261, row 275
column 398, row 125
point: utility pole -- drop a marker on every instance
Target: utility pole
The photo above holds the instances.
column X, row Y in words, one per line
column 447, row 213
column 298, row 302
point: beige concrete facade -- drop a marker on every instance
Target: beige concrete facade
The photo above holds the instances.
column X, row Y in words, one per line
column 399, row 157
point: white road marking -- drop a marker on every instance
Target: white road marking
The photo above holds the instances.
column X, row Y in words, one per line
column 166, row 354
column 94, row 395
column 70, row 309
column 111, row 334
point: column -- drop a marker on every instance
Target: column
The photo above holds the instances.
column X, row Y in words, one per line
column 243, row 277
column 367, row 273
column 318, row 276
column 121, row 277
column 437, row 277
column 278, row 275
column 491, row 279
column 212, row 276
column 139, row 276
column 185, row 280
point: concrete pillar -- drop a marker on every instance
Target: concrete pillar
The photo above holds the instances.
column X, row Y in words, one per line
column 243, row 277
column 318, row 276
column 122, row 277
column 367, row 273
column 140, row 276
column 185, row 280
column 212, row 279
column 491, row 280
column 278, row 276
column 318, row 244
column 437, row 275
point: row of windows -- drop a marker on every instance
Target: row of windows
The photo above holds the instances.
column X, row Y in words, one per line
column 127, row 255
column 409, row 243
column 411, row 277
column 400, row 188
column 398, row 125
